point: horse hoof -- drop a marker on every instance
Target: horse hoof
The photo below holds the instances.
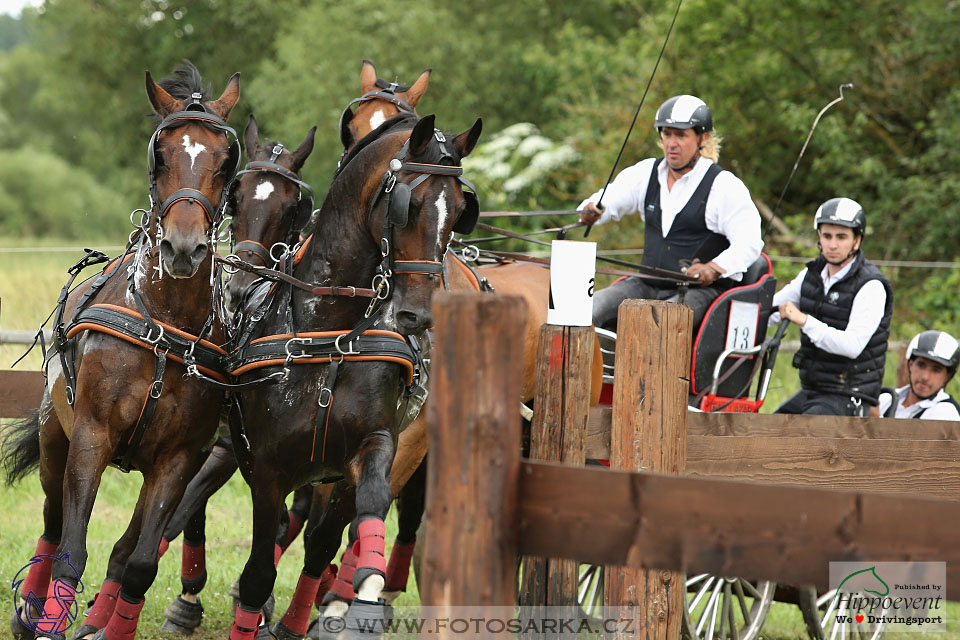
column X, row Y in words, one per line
column 367, row 619
column 84, row 631
column 19, row 630
column 282, row 632
column 325, row 628
column 183, row 616
column 264, row 633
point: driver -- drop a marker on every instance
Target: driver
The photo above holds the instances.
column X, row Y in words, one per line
column 842, row 304
column 696, row 215
column 932, row 359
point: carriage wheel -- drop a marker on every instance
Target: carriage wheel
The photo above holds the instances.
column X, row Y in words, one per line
column 719, row 607
column 820, row 615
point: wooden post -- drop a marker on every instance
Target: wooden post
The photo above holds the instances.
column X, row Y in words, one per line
column 558, row 434
column 648, row 433
column 473, row 422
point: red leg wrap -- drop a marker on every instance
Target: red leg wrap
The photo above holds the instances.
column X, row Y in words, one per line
column 370, row 535
column 398, row 570
column 192, row 561
column 343, row 585
column 164, row 545
column 293, row 529
column 327, row 578
column 38, row 578
column 57, row 609
column 103, row 605
column 123, row 622
column 277, row 552
column 245, row 624
column 297, row 618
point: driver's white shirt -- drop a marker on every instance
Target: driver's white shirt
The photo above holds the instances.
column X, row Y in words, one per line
column 730, row 210
column 938, row 409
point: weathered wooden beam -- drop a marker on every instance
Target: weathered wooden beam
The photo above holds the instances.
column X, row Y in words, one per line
column 473, row 464
column 561, row 407
column 20, row 391
column 725, row 527
column 922, row 468
column 648, row 432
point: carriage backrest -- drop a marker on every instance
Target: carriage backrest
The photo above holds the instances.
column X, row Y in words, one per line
column 736, row 319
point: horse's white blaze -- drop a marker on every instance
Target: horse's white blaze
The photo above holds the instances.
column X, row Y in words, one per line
column 377, row 119
column 193, row 149
column 264, row 189
column 442, row 215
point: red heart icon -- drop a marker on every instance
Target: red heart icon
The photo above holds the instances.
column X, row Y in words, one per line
column 860, row 618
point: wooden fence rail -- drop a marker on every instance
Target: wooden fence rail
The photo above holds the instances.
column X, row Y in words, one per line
column 696, row 524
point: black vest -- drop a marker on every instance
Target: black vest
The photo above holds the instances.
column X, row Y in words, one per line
column 859, row 377
column 689, row 236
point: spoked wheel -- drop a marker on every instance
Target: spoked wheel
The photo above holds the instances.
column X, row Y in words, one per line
column 821, row 615
column 590, row 589
column 719, row 607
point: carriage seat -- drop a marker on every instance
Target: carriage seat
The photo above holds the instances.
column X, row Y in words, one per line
column 736, row 319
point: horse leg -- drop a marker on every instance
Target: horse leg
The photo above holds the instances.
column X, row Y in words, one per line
column 367, row 533
column 54, row 446
column 86, row 459
column 296, row 516
column 410, row 505
column 184, row 614
column 319, row 576
column 260, row 571
column 105, row 601
column 163, row 487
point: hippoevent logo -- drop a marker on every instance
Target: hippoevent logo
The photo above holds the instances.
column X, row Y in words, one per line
column 62, row 612
column 887, row 596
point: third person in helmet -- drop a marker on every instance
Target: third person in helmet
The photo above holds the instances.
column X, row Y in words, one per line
column 694, row 212
column 932, row 359
column 843, row 305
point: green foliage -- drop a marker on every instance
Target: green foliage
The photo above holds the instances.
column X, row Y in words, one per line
column 48, row 196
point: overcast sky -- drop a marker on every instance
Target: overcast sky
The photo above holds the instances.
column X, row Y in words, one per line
column 13, row 7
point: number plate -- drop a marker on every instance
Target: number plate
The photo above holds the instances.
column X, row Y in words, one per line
column 742, row 328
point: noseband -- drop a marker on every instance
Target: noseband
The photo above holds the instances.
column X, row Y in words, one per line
column 305, row 202
column 193, row 112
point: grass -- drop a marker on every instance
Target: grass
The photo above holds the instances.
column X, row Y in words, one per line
column 29, row 285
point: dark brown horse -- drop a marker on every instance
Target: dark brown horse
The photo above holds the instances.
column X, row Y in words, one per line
column 386, row 221
column 116, row 388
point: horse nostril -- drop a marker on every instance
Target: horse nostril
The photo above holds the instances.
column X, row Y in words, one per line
column 166, row 248
column 407, row 319
column 199, row 253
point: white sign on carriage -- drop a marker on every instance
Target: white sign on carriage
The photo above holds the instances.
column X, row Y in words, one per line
column 572, row 270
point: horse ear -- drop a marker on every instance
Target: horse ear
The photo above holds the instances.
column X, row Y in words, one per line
column 368, row 77
column 225, row 103
column 251, row 137
column 302, row 152
column 413, row 95
column 346, row 133
column 421, row 135
column 466, row 141
column 163, row 103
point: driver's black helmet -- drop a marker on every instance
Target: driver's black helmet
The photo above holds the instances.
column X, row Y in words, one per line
column 938, row 346
column 843, row 212
column 684, row 112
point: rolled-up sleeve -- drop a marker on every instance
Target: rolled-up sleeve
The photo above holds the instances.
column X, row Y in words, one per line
column 625, row 194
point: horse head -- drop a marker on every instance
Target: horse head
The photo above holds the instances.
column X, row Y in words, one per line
column 192, row 161
column 269, row 204
column 422, row 203
column 378, row 102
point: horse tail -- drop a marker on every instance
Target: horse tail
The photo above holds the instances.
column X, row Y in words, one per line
column 20, row 447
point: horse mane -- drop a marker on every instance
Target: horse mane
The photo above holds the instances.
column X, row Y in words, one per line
column 185, row 82
column 406, row 120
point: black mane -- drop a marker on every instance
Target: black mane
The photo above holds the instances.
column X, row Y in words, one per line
column 185, row 82
column 401, row 119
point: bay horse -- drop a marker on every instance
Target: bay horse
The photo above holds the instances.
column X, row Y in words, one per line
column 116, row 389
column 386, row 220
